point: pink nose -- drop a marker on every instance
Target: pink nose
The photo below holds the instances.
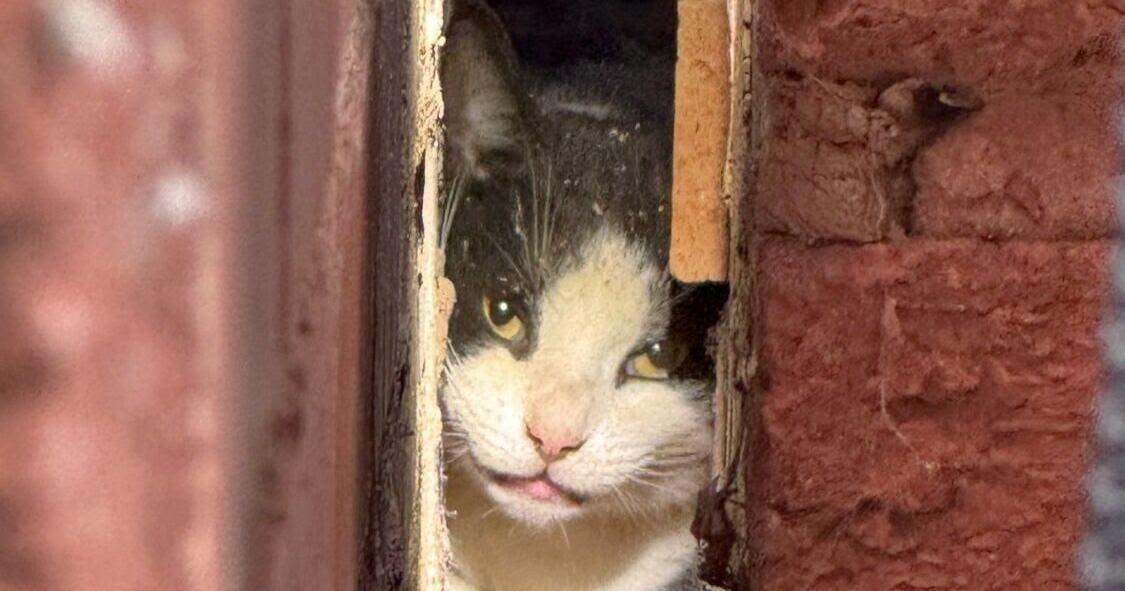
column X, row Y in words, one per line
column 553, row 443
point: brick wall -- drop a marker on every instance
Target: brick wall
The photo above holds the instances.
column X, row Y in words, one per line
column 111, row 301
column 186, row 341
column 924, row 244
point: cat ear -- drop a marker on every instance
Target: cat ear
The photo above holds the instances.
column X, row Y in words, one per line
column 484, row 113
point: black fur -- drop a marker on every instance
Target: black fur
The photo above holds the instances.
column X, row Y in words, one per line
column 567, row 174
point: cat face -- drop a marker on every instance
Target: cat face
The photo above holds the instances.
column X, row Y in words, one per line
column 578, row 381
column 571, row 405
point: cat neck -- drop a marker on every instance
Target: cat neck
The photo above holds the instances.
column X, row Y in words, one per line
column 602, row 552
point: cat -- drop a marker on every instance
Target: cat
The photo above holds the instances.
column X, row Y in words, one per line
column 577, row 391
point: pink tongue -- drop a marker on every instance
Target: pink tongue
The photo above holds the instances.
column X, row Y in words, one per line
column 539, row 488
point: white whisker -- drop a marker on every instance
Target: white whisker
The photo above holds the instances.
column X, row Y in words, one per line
column 562, row 528
column 511, row 262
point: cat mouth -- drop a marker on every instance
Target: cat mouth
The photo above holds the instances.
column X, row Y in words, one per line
column 540, row 488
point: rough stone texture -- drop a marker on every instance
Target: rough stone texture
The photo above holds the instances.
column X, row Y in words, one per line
column 921, row 270
column 924, row 411
column 1023, row 166
column 991, row 45
column 833, row 159
column 1006, row 64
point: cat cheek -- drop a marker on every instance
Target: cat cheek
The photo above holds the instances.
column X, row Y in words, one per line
column 485, row 400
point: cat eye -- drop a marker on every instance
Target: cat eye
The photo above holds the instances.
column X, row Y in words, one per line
column 503, row 319
column 655, row 361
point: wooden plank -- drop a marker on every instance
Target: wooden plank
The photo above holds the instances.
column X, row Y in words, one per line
column 699, row 213
column 428, row 554
column 737, row 357
column 386, row 419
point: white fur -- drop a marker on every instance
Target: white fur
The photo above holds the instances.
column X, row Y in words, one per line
column 644, row 452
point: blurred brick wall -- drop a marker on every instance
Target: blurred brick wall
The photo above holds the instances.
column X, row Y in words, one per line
column 111, row 301
column 184, row 334
column 927, row 220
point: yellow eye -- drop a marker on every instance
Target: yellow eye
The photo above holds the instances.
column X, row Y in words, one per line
column 655, row 362
column 503, row 319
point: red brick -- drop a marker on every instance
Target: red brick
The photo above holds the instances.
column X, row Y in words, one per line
column 1023, row 166
column 1030, row 155
column 830, row 158
column 925, row 413
column 990, row 45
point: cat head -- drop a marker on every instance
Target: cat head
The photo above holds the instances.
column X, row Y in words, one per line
column 578, row 381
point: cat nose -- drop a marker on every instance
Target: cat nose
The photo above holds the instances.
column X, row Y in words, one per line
column 553, row 444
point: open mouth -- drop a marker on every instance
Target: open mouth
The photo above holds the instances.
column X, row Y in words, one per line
column 540, row 488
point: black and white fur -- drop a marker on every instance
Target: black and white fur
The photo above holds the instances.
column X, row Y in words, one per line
column 557, row 202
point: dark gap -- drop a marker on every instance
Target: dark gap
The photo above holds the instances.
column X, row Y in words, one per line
column 553, row 33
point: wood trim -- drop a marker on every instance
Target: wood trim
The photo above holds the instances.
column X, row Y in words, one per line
column 699, row 213
column 386, row 423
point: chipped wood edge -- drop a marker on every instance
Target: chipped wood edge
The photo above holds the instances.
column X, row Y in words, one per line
column 737, row 362
column 728, row 445
column 429, row 548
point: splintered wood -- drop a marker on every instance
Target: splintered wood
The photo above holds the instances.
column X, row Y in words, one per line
column 428, row 548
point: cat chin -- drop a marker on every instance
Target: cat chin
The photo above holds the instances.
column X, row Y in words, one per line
column 533, row 512
column 535, row 505
column 534, row 501
column 526, row 503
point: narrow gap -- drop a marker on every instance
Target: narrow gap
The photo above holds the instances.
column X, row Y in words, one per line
column 578, row 390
